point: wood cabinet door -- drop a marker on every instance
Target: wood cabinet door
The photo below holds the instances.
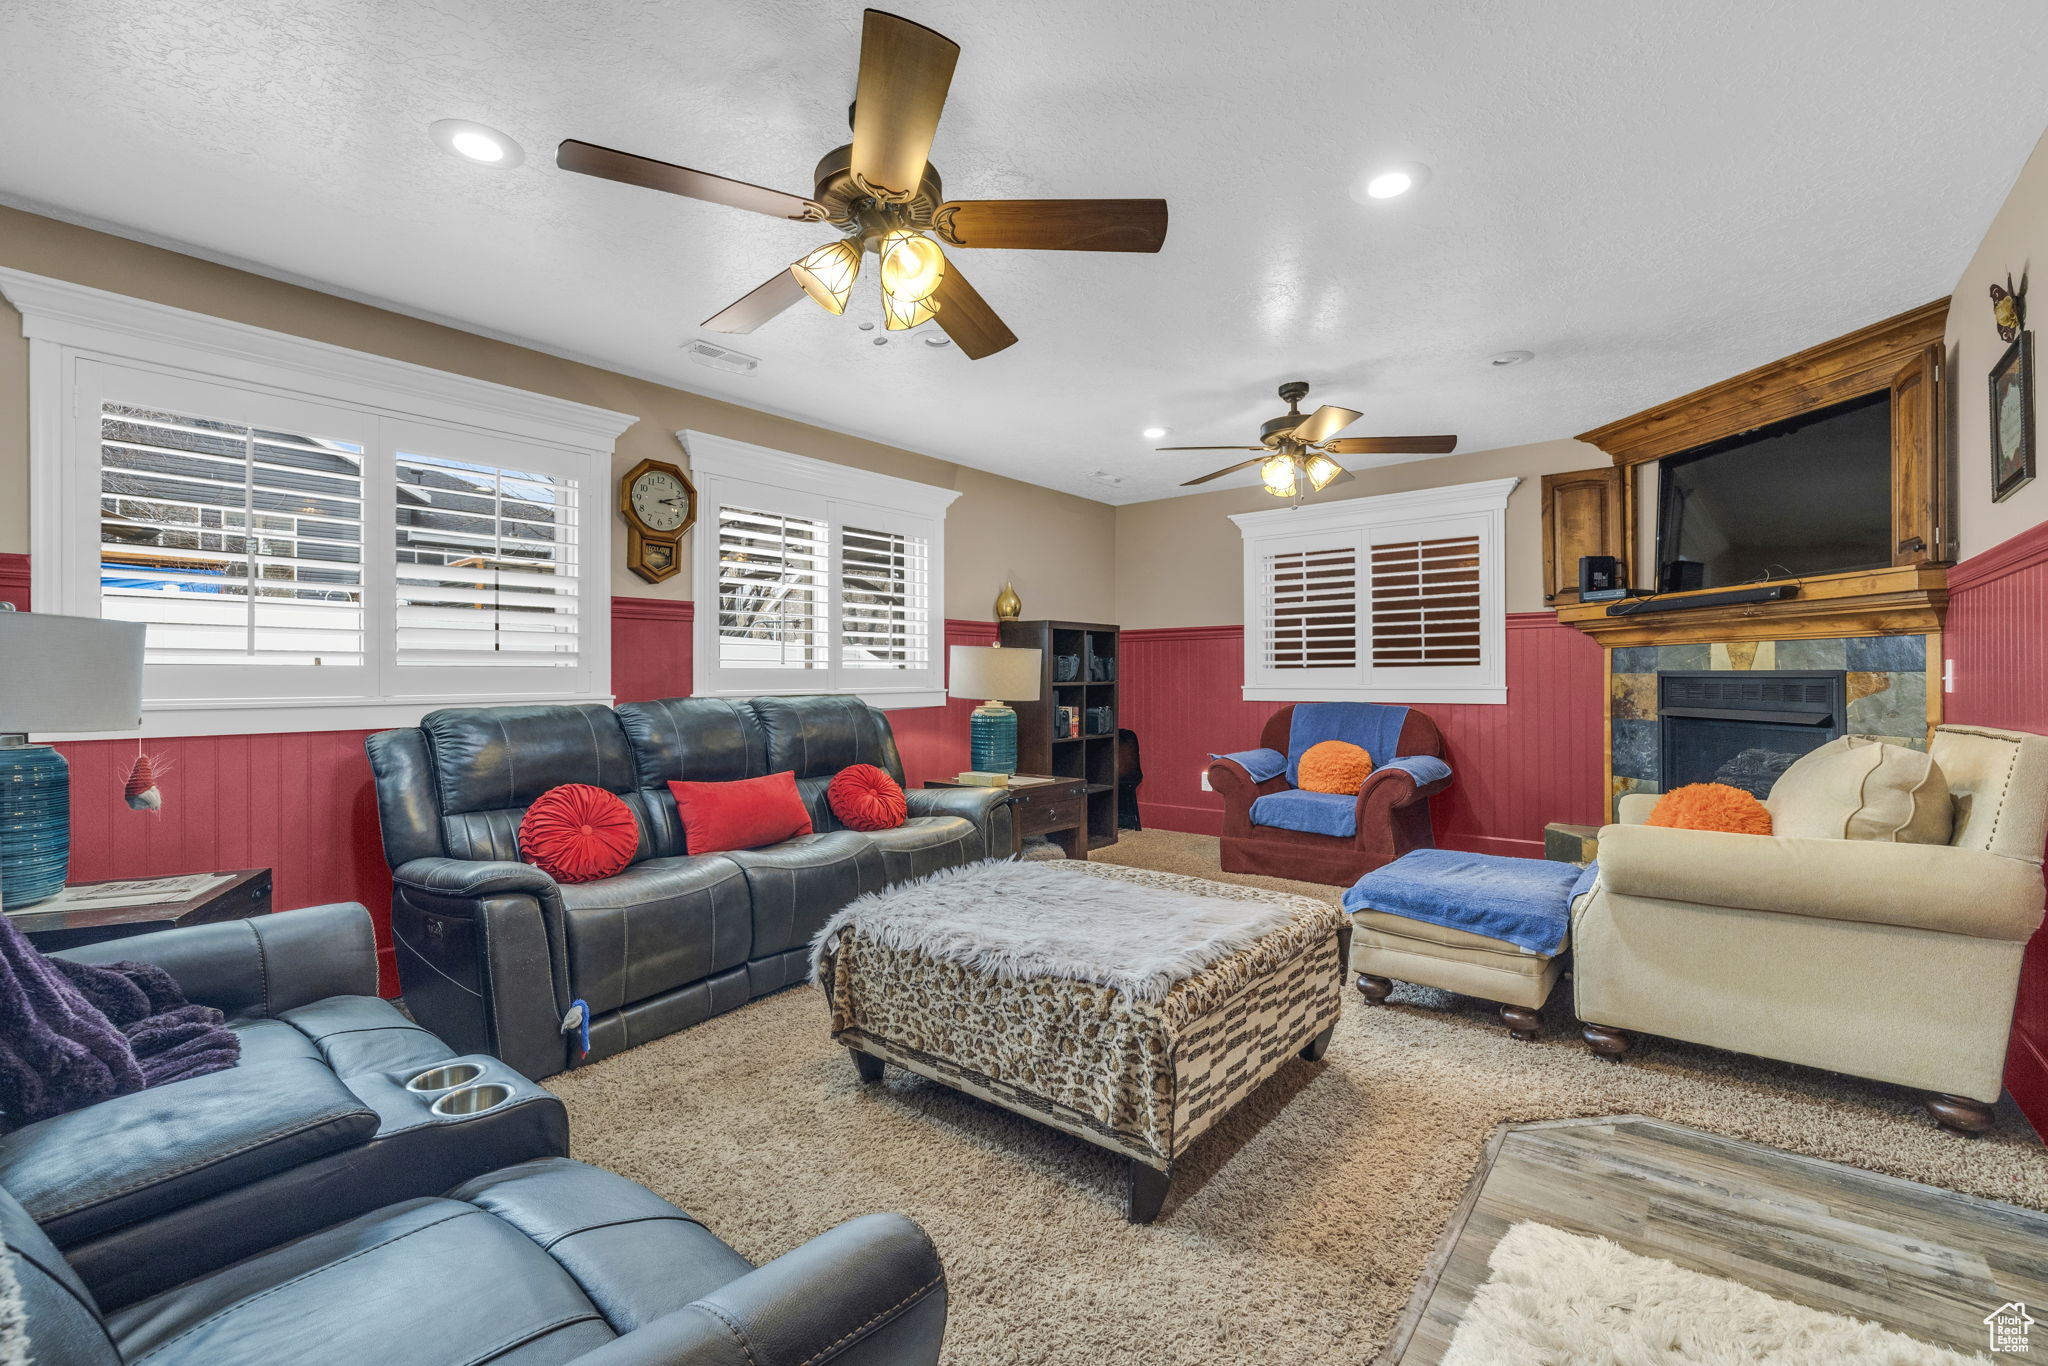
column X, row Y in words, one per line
column 1581, row 516
column 1919, row 475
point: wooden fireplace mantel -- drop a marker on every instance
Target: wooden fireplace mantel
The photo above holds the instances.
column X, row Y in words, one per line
column 1899, row 600
column 1903, row 355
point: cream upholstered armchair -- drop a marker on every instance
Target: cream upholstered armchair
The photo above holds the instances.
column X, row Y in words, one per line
column 1897, row 962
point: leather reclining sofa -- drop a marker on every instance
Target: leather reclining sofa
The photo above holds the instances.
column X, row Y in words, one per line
column 498, row 958
column 313, row 1204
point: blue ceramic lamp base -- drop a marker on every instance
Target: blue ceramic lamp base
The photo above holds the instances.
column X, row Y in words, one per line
column 992, row 739
column 35, row 823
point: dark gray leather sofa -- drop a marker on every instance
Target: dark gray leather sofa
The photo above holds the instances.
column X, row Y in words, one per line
column 493, row 954
column 545, row 1263
column 314, row 1125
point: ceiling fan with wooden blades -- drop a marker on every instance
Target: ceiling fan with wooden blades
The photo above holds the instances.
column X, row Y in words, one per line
column 883, row 195
column 1295, row 452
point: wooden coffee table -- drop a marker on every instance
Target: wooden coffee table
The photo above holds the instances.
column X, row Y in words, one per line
column 1143, row 1079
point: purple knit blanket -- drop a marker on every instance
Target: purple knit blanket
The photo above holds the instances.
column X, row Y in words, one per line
column 72, row 1034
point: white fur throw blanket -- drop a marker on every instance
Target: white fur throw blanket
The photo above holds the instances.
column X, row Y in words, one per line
column 1023, row 920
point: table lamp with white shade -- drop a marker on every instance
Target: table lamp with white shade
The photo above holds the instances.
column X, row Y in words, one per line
column 60, row 674
column 996, row 676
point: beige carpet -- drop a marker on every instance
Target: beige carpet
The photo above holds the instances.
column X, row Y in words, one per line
column 1296, row 1228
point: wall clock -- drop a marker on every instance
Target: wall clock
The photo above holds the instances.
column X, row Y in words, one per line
column 659, row 504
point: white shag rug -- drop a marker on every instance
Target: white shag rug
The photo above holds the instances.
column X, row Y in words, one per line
column 1564, row 1299
column 1020, row 920
column 14, row 1345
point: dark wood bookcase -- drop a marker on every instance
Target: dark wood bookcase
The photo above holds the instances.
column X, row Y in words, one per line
column 1092, row 755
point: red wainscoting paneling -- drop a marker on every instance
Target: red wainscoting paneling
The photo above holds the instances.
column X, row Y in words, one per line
column 302, row 804
column 1997, row 641
column 1534, row 760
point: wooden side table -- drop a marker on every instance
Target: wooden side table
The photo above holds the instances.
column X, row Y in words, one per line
column 1041, row 804
column 87, row 913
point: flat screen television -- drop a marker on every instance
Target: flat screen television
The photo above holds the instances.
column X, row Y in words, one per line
column 1809, row 495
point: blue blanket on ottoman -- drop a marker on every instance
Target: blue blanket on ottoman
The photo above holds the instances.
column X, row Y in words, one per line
column 1525, row 901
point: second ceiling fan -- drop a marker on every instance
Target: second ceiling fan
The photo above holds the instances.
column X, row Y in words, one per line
column 883, row 195
column 1295, row 451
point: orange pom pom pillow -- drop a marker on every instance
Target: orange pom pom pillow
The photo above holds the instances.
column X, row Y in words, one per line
column 578, row 833
column 1711, row 806
column 1335, row 766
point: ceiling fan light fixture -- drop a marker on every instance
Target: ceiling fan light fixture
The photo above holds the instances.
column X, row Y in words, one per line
column 1321, row 470
column 1280, row 475
column 900, row 315
column 913, row 267
column 828, row 273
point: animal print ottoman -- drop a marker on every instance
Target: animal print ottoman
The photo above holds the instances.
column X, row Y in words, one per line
column 1141, row 1068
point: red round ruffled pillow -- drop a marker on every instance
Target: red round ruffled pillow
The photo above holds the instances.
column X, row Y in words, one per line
column 1711, row 806
column 866, row 798
column 578, row 833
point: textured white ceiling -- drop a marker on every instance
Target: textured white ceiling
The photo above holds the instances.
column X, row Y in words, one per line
column 1650, row 196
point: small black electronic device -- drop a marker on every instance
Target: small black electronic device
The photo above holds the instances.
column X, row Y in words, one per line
column 1682, row 576
column 1600, row 579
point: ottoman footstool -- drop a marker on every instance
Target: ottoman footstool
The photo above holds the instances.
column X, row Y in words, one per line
column 1478, row 924
column 1141, row 1073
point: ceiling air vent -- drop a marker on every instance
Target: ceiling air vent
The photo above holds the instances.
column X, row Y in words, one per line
column 720, row 358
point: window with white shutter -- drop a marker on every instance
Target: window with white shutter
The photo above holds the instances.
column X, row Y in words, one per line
column 1425, row 603
column 773, row 583
column 828, row 577
column 315, row 538
column 885, row 592
column 487, row 569
column 237, row 545
column 1313, row 617
column 1395, row 598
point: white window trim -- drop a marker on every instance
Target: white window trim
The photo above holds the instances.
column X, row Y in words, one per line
column 1281, row 528
column 67, row 324
column 729, row 471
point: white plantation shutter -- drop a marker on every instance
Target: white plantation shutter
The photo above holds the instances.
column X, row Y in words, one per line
column 1312, row 616
column 237, row 544
column 310, row 565
column 828, row 577
column 884, row 600
column 1394, row 598
column 1426, row 603
column 488, row 572
column 772, row 590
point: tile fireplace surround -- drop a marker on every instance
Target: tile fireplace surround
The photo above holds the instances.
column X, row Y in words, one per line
column 1888, row 689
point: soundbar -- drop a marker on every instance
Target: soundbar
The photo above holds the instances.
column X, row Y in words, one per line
column 1729, row 597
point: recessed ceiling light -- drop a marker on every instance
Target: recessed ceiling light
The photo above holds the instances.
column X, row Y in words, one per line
column 1105, row 477
column 1511, row 358
column 938, row 339
column 1154, row 433
column 880, row 341
column 1394, row 181
column 474, row 142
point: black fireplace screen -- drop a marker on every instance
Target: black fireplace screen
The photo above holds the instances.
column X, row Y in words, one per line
column 1744, row 729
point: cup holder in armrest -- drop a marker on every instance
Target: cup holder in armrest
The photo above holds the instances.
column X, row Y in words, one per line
column 472, row 1100
column 446, row 1077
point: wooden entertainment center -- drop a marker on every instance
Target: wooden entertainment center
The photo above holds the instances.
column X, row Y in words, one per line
column 1599, row 512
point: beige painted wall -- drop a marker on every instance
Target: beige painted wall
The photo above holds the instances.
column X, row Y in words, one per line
column 1180, row 562
column 2016, row 241
column 1058, row 546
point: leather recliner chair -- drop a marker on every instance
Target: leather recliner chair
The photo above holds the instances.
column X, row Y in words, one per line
column 496, row 956
column 314, row 1125
column 543, row 1264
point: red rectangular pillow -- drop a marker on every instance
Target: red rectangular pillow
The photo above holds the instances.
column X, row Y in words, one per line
column 745, row 813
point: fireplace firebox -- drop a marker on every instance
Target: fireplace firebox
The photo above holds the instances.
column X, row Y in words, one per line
column 1744, row 728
